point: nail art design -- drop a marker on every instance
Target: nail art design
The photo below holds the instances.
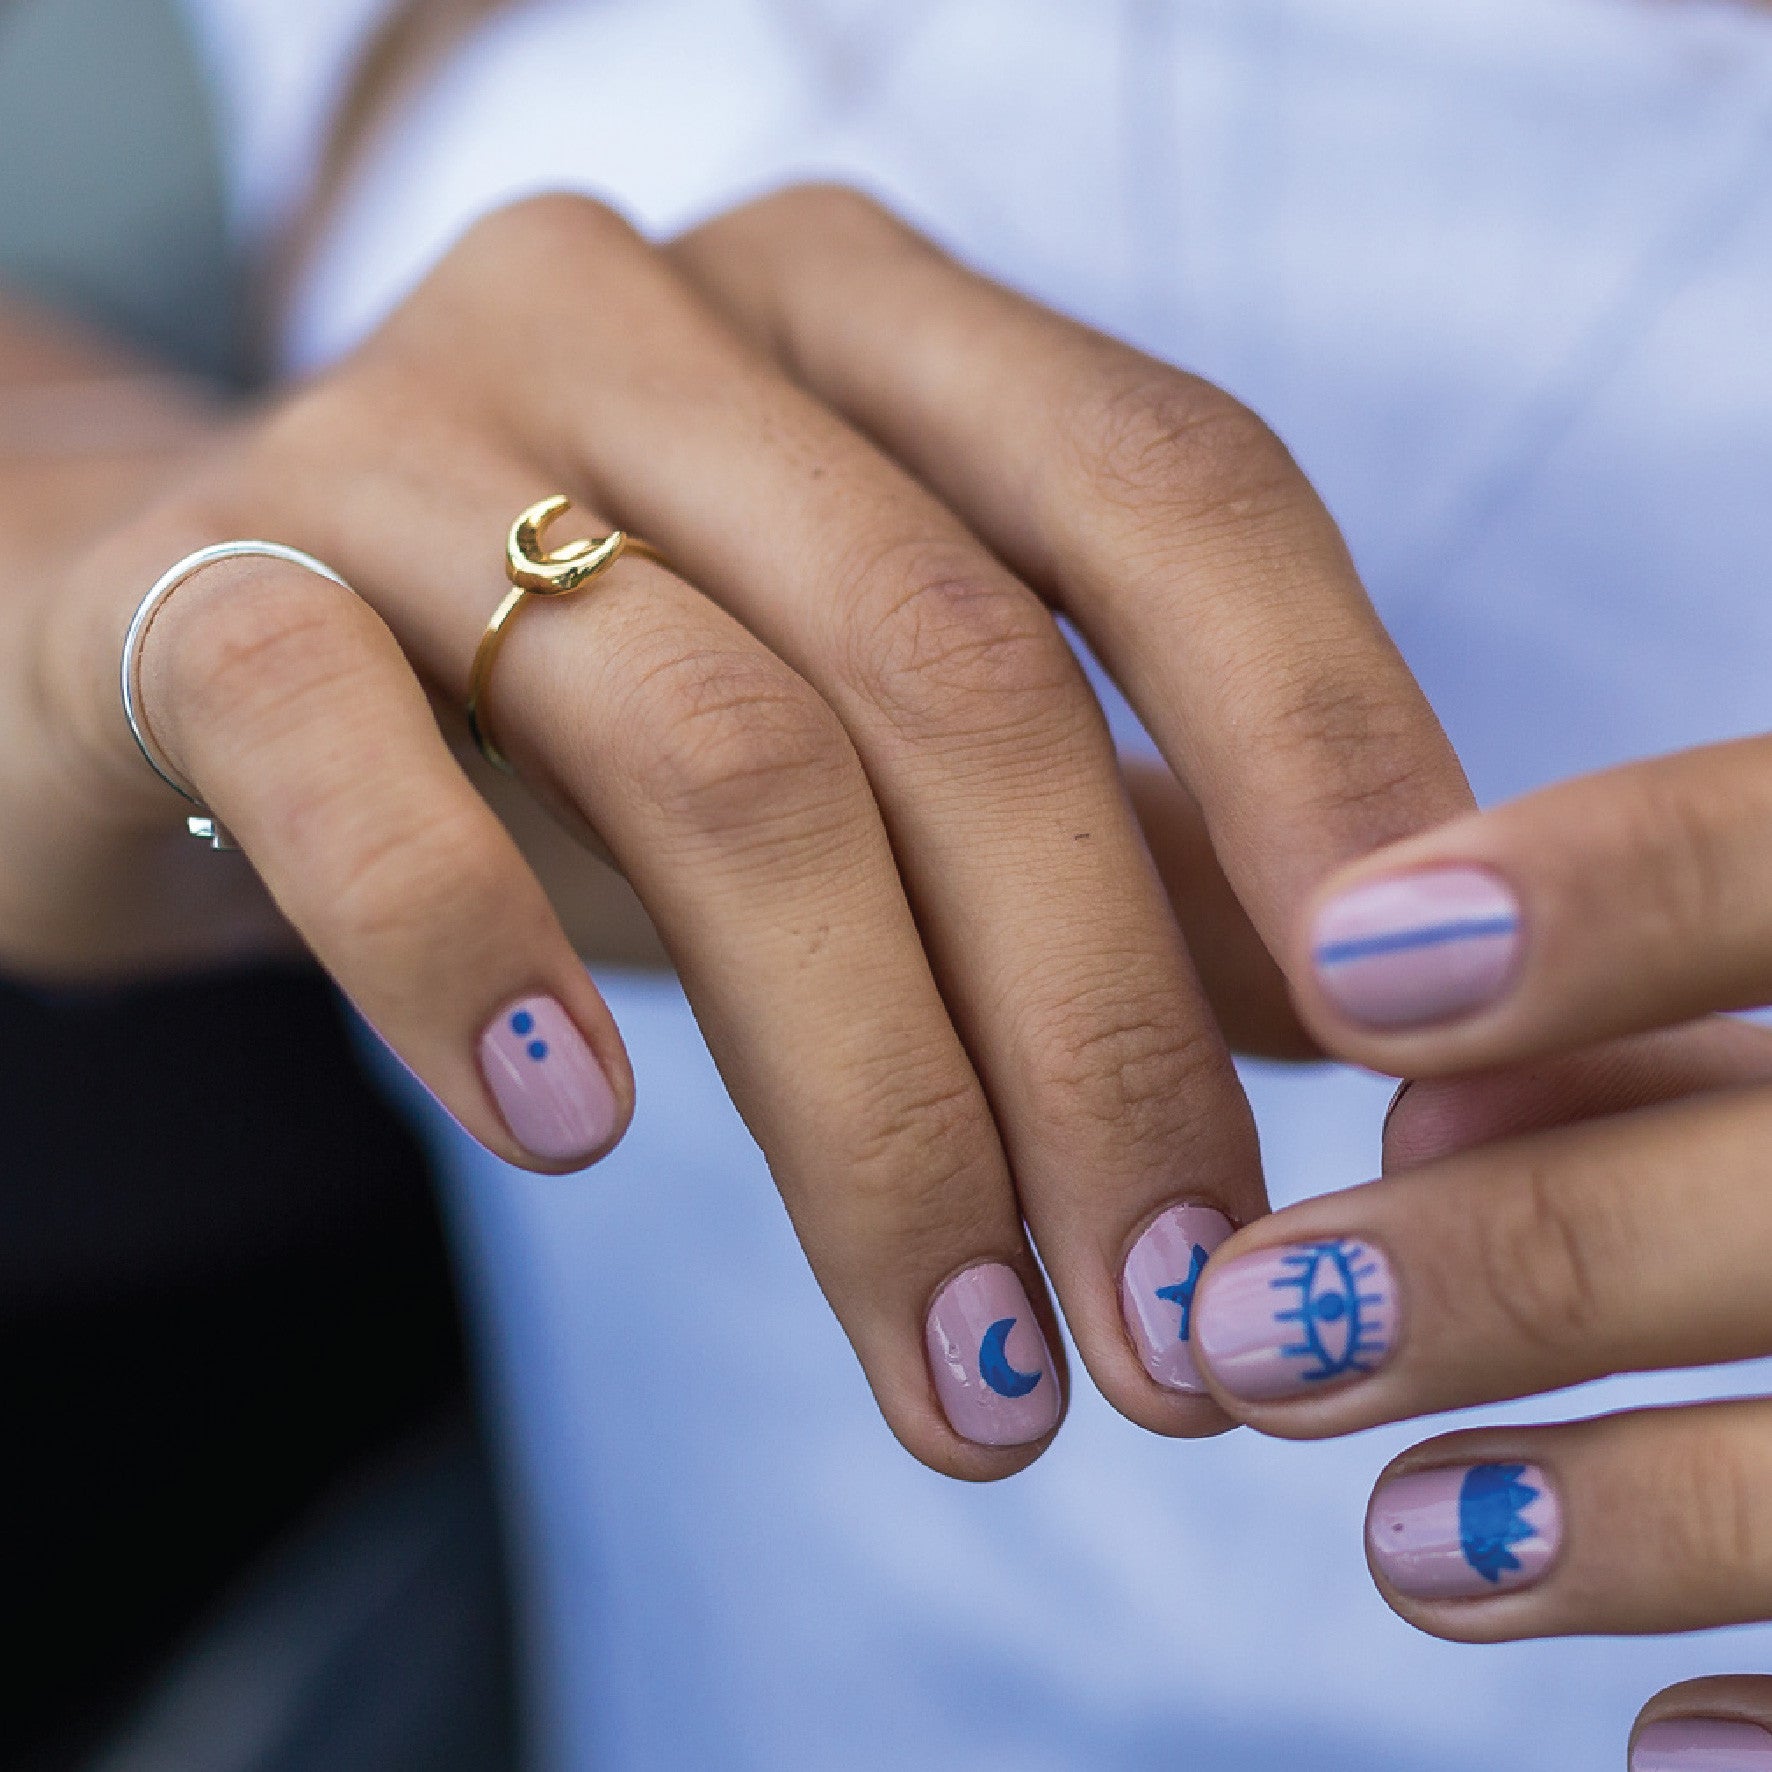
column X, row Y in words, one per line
column 992, row 1369
column 1338, row 1318
column 548, row 1085
column 1299, row 1319
column 1702, row 1744
column 1158, row 1286
column 1420, row 948
column 1492, row 1517
column 1181, row 1294
column 993, row 1362
column 1464, row 1532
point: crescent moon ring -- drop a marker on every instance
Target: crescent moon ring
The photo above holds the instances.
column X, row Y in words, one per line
column 535, row 571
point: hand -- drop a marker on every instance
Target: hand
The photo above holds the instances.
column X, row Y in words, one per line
column 1548, row 1216
column 841, row 750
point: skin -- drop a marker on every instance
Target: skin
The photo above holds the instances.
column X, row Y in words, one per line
column 969, row 980
column 840, row 750
column 1577, row 1188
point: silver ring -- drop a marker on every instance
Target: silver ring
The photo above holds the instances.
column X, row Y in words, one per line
column 204, row 823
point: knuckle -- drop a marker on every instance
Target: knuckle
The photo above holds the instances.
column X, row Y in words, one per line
column 1130, row 1067
column 1353, row 742
column 541, row 225
column 824, row 208
column 1167, row 446
column 1713, row 1503
column 1681, row 848
column 925, row 1157
column 1542, row 1256
column 944, row 649
column 727, row 741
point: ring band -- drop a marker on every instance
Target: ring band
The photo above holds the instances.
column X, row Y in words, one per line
column 534, row 572
column 203, row 823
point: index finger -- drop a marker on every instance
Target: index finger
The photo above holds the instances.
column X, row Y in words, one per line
column 1163, row 517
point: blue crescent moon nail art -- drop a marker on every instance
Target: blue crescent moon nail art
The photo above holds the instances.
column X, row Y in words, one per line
column 1492, row 1503
column 1182, row 1292
column 993, row 1362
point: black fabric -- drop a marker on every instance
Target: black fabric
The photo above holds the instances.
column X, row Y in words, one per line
column 222, row 1282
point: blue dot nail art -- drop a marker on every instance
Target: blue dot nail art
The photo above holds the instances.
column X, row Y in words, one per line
column 522, row 1022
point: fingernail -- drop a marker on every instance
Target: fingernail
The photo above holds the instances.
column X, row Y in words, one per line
column 992, row 1368
column 1157, row 1291
column 1702, row 1744
column 1418, row 948
column 1299, row 1319
column 548, row 1085
column 1461, row 1533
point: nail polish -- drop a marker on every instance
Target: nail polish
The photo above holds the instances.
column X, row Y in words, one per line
column 1702, row 1744
column 1462, row 1533
column 1297, row 1320
column 553, row 1094
column 1418, row 948
column 992, row 1369
column 1157, row 1287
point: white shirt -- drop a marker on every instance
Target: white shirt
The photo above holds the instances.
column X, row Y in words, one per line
column 1500, row 275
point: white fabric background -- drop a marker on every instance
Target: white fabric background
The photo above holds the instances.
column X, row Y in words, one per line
column 1499, row 272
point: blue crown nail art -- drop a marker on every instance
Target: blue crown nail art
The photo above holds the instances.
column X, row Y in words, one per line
column 1492, row 1502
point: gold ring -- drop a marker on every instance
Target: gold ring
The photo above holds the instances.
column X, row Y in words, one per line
column 534, row 572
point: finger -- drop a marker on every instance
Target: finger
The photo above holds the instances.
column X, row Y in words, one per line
column 1159, row 514
column 286, row 701
column 1622, row 901
column 1721, row 1724
column 1048, row 930
column 1656, row 1520
column 731, row 798
column 1242, row 981
column 1507, row 1271
column 1441, row 1116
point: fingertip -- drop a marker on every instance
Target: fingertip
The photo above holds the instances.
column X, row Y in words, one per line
column 553, row 1091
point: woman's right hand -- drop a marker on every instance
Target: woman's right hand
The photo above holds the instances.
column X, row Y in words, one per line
column 840, row 749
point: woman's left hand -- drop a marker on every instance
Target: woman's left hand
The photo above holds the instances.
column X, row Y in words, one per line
column 1578, row 1187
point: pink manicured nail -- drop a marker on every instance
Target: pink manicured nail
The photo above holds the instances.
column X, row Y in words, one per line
column 552, row 1092
column 1302, row 1318
column 1702, row 1744
column 1460, row 1533
column 1157, row 1291
column 1419, row 948
column 992, row 1368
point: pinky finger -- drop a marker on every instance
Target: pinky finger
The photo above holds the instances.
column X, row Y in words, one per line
column 291, row 707
column 1722, row 1724
column 1653, row 1520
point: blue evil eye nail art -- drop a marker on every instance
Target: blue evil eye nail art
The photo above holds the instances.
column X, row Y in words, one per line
column 1334, row 1296
column 1492, row 1503
column 523, row 1025
column 993, row 1362
column 1182, row 1292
